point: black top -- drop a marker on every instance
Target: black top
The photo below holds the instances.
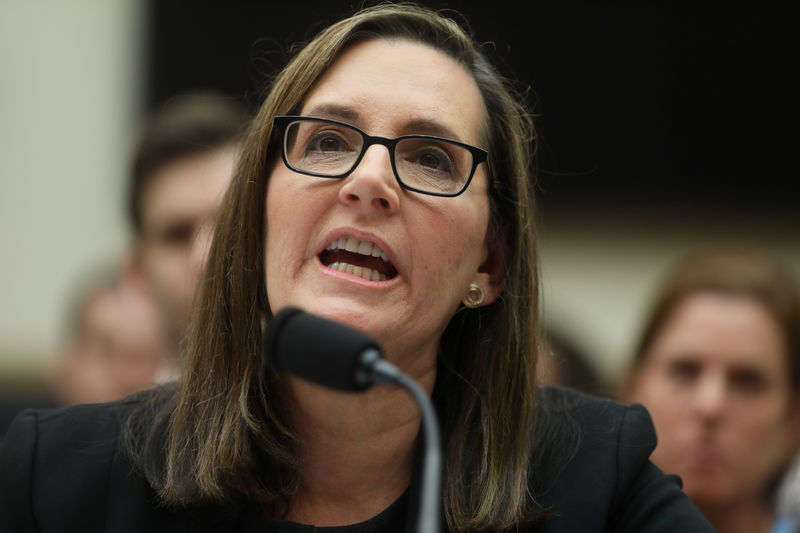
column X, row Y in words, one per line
column 391, row 520
column 61, row 470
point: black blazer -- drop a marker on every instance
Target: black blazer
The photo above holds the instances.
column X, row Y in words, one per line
column 61, row 471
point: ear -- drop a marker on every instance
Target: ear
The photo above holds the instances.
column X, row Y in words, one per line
column 491, row 275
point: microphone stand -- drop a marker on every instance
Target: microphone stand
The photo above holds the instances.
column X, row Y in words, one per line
column 378, row 370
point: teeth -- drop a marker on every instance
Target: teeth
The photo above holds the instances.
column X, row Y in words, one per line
column 351, row 244
column 365, row 248
column 362, row 272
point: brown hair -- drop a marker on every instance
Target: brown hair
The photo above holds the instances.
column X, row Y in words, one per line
column 229, row 438
column 735, row 271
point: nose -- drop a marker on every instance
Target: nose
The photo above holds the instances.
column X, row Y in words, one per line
column 710, row 398
column 371, row 186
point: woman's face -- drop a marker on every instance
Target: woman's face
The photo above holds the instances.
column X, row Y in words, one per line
column 436, row 246
column 715, row 381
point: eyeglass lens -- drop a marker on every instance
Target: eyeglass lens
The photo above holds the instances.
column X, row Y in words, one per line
column 331, row 149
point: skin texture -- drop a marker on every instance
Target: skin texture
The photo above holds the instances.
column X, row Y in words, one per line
column 715, row 381
column 437, row 245
column 179, row 206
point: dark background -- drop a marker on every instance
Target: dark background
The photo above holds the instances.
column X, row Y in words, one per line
column 638, row 103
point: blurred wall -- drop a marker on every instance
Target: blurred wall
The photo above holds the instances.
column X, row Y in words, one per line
column 71, row 82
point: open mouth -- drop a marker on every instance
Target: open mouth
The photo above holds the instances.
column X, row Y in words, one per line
column 359, row 258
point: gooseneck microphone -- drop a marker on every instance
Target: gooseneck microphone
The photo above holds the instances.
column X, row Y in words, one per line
column 339, row 357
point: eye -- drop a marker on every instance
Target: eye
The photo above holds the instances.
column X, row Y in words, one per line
column 428, row 161
column 683, row 371
column 325, row 142
column 747, row 380
column 328, row 142
column 435, row 159
column 177, row 234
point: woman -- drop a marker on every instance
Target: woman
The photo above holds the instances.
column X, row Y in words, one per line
column 384, row 184
column 718, row 367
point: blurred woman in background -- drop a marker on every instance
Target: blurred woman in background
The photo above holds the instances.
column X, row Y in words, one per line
column 718, row 367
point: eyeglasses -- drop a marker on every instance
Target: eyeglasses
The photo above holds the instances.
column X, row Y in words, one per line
column 421, row 163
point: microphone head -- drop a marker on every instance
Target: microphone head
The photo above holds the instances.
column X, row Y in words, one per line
column 317, row 349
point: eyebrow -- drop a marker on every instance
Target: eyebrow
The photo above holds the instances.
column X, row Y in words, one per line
column 335, row 112
column 417, row 126
column 429, row 127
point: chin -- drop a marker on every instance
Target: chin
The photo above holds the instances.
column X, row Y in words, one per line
column 344, row 311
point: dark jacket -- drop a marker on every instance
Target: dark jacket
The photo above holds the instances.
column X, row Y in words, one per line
column 62, row 471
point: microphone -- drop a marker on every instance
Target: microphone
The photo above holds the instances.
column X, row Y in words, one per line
column 321, row 351
column 340, row 357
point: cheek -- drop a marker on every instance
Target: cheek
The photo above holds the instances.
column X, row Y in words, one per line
column 761, row 425
column 277, row 215
column 291, row 216
column 665, row 412
column 653, row 388
column 671, row 425
column 761, row 437
column 464, row 232
column 453, row 248
column 655, row 392
column 276, row 250
column 163, row 265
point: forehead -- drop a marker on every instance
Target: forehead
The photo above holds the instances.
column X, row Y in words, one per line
column 391, row 87
column 726, row 329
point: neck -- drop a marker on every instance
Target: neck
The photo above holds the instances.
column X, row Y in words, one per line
column 740, row 517
column 357, row 450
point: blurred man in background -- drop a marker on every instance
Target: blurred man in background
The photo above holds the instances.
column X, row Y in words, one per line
column 124, row 328
column 183, row 164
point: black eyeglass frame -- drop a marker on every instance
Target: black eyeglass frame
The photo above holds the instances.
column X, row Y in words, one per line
column 280, row 123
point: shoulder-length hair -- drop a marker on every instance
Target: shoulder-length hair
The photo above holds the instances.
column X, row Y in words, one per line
column 229, row 438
